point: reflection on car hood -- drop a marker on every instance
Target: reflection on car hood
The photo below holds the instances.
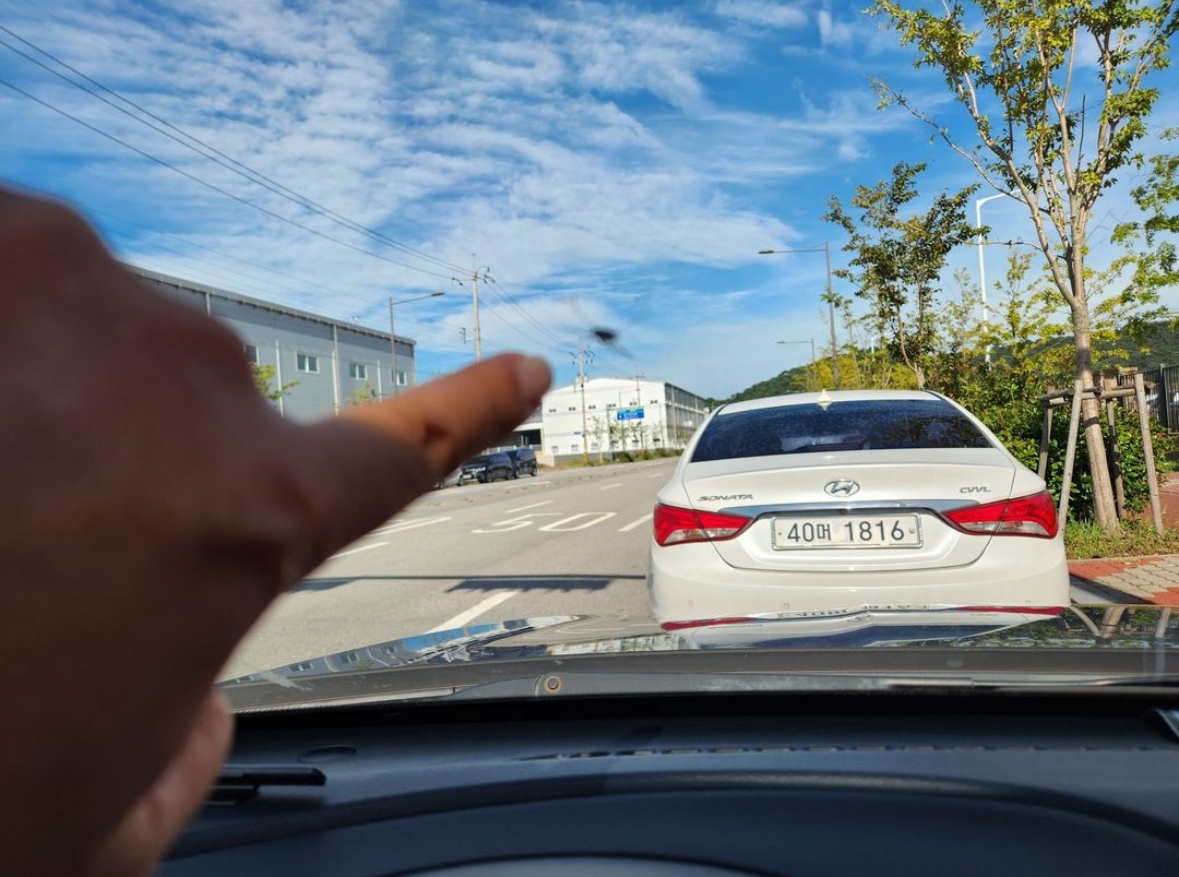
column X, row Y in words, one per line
column 809, row 636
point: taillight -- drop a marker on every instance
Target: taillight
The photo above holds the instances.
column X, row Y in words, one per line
column 675, row 525
column 1026, row 516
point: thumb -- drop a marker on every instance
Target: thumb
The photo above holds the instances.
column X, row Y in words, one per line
column 150, row 827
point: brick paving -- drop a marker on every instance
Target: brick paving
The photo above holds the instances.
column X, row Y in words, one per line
column 1152, row 579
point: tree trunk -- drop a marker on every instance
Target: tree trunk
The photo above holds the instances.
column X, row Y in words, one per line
column 1104, row 508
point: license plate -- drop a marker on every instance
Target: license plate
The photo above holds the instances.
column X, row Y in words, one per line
column 891, row 531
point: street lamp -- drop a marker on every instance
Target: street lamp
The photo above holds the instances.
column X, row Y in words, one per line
column 982, row 270
column 393, row 334
column 810, row 340
column 826, row 249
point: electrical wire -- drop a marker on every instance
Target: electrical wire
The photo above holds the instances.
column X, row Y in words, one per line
column 214, row 187
column 337, row 293
column 216, row 156
column 506, row 297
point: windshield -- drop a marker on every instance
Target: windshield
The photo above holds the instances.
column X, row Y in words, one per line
column 841, row 426
column 834, row 346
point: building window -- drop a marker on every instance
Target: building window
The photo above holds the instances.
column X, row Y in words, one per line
column 593, row 408
column 552, row 411
column 301, row 666
column 654, row 401
column 358, row 371
column 556, row 449
column 575, row 447
column 252, row 353
column 307, row 362
column 349, row 657
column 572, row 407
column 402, row 378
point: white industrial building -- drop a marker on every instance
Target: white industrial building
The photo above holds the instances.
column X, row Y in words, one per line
column 613, row 414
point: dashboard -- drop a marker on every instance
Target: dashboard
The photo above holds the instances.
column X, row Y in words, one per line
column 701, row 786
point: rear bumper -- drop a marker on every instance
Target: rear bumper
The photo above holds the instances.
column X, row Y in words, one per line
column 692, row 582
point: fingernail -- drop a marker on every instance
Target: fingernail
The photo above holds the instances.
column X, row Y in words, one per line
column 534, row 378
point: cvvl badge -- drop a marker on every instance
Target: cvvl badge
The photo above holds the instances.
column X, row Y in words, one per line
column 842, row 487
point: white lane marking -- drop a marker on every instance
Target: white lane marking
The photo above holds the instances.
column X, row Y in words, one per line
column 535, row 505
column 611, row 486
column 657, row 475
column 475, row 611
column 409, row 525
column 515, row 523
column 358, row 550
column 637, row 523
column 595, row 518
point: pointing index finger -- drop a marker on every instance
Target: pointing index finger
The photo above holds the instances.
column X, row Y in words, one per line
column 368, row 463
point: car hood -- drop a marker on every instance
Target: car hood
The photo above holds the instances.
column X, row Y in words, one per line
column 928, row 641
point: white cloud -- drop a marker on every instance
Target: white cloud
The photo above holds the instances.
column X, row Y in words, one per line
column 763, row 12
column 832, row 33
column 574, row 146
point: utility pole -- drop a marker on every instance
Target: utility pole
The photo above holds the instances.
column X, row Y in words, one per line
column 475, row 296
column 581, row 355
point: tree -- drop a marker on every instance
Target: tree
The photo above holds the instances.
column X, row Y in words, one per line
column 264, row 375
column 362, row 395
column 1150, row 242
column 897, row 262
column 599, row 429
column 1038, row 134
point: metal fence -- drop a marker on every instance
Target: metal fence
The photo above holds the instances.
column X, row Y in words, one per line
column 1162, row 394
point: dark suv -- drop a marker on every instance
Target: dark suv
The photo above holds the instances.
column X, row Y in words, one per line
column 523, row 461
column 487, row 467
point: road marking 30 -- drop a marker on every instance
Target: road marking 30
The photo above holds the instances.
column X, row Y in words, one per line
column 595, row 518
column 535, row 505
column 409, row 525
column 475, row 611
column 637, row 523
column 358, row 550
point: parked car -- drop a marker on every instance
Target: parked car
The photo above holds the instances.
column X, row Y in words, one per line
column 487, row 467
column 822, row 502
column 523, row 461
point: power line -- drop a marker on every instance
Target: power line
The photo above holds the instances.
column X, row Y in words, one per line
column 214, row 187
column 544, row 345
column 503, row 294
column 220, row 253
column 218, row 157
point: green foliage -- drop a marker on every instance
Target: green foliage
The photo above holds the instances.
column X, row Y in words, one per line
column 897, row 261
column 363, row 395
column 1084, row 539
column 264, row 376
column 1054, row 139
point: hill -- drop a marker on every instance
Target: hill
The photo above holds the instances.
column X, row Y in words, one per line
column 1161, row 341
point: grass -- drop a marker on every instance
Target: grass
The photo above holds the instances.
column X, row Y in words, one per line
column 1084, row 539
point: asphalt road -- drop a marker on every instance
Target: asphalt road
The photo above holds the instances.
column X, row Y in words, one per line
column 567, row 542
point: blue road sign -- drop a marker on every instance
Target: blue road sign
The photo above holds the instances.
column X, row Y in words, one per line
column 629, row 414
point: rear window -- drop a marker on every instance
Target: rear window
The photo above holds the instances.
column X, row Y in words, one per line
column 882, row 424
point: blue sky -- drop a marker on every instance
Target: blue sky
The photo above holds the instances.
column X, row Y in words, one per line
column 613, row 164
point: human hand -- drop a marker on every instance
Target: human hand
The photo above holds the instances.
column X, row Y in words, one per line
column 156, row 505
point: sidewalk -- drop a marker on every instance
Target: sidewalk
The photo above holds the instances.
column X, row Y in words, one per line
column 1151, row 579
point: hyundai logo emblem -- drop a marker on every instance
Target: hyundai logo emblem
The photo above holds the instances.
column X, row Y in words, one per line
column 842, row 487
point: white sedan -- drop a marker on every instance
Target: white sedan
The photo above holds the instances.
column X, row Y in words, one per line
column 833, row 501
